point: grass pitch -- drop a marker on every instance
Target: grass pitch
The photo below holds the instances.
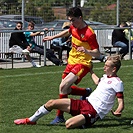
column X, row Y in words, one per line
column 23, row 91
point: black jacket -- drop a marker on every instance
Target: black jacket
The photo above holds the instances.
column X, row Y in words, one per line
column 118, row 35
column 18, row 38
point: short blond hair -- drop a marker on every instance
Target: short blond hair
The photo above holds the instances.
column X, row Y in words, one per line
column 116, row 61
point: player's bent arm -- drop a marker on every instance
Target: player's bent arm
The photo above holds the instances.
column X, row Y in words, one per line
column 94, row 53
column 120, row 107
column 94, row 77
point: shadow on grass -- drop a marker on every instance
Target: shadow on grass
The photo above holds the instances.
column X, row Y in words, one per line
column 114, row 122
column 123, row 123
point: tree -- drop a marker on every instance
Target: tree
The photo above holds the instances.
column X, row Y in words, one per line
column 99, row 11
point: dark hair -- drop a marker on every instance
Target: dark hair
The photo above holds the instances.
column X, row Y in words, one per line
column 74, row 12
column 124, row 24
column 19, row 22
column 31, row 23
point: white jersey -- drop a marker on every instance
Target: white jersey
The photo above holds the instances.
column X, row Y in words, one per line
column 103, row 97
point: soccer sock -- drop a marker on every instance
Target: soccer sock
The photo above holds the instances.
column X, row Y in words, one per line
column 38, row 114
column 77, row 91
column 59, row 112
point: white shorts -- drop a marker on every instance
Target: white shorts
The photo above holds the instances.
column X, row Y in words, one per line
column 16, row 49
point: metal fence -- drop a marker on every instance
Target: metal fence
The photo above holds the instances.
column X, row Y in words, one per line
column 103, row 38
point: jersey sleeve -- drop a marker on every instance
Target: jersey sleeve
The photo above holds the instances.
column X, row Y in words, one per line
column 93, row 42
column 119, row 87
column 70, row 29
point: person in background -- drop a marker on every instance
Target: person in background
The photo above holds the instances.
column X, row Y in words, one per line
column 100, row 102
column 84, row 46
column 129, row 34
column 30, row 37
column 18, row 44
column 119, row 39
column 61, row 44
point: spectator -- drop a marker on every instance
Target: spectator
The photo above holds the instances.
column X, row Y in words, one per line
column 18, row 44
column 84, row 46
column 86, row 112
column 38, row 48
column 118, row 39
column 61, row 44
column 129, row 34
column 131, row 122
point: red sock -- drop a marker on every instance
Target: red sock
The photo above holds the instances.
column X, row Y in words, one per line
column 77, row 91
column 59, row 112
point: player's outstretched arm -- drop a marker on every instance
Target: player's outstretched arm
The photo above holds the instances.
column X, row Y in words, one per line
column 61, row 34
column 119, row 109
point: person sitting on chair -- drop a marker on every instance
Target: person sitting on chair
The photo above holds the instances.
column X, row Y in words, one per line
column 119, row 39
column 18, row 44
column 38, row 48
column 64, row 43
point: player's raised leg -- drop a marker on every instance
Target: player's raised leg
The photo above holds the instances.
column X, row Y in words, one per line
column 64, row 90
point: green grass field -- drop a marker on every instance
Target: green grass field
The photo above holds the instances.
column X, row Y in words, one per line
column 23, row 91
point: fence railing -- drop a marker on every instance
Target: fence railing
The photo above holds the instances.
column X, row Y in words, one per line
column 103, row 37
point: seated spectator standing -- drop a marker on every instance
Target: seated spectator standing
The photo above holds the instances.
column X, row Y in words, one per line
column 64, row 43
column 119, row 39
column 38, row 48
column 18, row 44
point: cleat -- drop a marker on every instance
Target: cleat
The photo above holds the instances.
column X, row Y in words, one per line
column 88, row 92
column 58, row 119
column 25, row 52
column 24, row 121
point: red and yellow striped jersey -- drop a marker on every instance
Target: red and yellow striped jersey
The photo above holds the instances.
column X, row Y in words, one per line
column 82, row 37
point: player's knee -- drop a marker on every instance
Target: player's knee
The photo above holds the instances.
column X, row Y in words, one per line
column 62, row 87
column 68, row 124
column 50, row 103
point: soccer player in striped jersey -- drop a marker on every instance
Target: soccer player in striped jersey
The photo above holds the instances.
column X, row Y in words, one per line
column 84, row 46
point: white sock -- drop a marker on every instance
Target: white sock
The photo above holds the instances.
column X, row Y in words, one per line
column 33, row 63
column 39, row 113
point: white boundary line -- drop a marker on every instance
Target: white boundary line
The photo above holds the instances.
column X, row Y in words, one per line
column 30, row 74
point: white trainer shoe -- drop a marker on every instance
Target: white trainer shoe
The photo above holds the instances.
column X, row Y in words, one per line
column 25, row 52
column 37, row 66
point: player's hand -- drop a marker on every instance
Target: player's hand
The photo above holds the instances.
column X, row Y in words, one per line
column 117, row 114
column 81, row 49
column 47, row 38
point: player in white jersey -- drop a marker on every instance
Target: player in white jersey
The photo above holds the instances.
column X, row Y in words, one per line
column 97, row 105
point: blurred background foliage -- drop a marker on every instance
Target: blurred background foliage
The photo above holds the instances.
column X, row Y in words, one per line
column 96, row 10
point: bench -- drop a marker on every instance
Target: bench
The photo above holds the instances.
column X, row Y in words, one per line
column 11, row 54
column 108, row 49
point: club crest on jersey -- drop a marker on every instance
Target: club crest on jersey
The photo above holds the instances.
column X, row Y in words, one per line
column 109, row 82
column 82, row 36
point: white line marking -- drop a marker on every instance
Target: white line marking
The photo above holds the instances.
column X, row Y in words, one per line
column 31, row 74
